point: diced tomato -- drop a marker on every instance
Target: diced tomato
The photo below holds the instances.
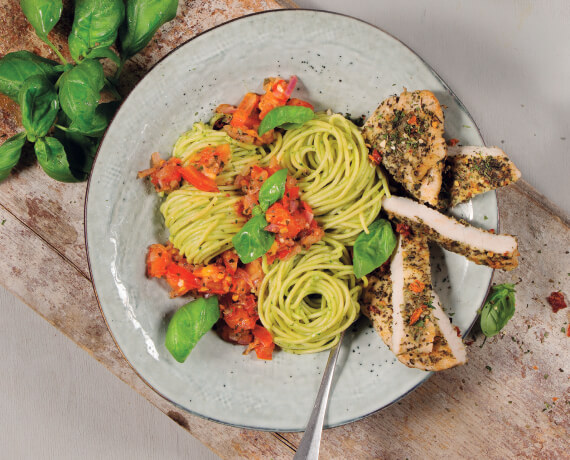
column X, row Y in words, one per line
column 164, row 175
column 299, row 103
column 198, row 180
column 246, row 115
column 281, row 217
column 413, row 120
column 230, row 259
column 181, row 280
column 211, row 160
column 268, row 102
column 226, row 109
column 452, row 142
column 239, row 319
column 263, row 341
column 375, row 157
column 157, row 260
column 417, row 286
column 255, row 272
column 214, row 279
column 417, row 314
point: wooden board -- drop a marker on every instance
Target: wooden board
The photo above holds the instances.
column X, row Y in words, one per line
column 500, row 405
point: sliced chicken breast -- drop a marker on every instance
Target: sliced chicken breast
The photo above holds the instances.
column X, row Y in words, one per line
column 479, row 246
column 413, row 327
column 407, row 131
column 447, row 350
column 473, row 170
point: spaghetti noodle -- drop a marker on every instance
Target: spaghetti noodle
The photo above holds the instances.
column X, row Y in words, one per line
column 306, row 301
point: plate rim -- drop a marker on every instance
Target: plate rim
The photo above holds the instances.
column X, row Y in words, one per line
column 154, row 66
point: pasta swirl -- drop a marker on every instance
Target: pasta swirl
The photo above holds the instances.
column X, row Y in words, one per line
column 329, row 159
column 308, row 300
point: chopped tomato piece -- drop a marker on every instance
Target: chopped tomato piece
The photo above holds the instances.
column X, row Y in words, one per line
column 452, row 142
column 299, row 103
column 157, row 260
column 246, row 115
column 417, row 286
column 211, row 160
column 283, row 222
column 556, row 301
column 226, row 109
column 403, row 229
column 191, row 175
column 230, row 259
column 239, row 319
column 416, row 314
column 164, row 175
column 375, row 157
column 262, row 343
column 181, row 280
column 413, row 120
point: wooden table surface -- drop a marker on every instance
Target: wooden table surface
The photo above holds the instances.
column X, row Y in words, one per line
column 512, row 400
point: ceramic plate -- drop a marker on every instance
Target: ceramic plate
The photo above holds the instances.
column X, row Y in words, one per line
column 343, row 64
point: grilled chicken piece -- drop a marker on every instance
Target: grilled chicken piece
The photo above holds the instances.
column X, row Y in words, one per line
column 413, row 327
column 473, row 170
column 447, row 350
column 479, row 246
column 407, row 130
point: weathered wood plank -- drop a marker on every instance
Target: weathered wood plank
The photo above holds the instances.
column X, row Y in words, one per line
column 501, row 404
column 65, row 298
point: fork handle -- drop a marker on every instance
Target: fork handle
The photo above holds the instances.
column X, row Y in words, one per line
column 310, row 443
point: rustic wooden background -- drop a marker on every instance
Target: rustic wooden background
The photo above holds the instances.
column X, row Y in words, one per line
column 511, row 401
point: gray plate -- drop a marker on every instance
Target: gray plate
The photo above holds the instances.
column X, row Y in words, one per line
column 351, row 74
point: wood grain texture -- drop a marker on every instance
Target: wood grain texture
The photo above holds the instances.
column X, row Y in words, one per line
column 464, row 412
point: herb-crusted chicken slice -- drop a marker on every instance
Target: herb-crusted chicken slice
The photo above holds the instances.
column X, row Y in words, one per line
column 413, row 327
column 447, row 350
column 407, row 131
column 471, row 170
column 479, row 246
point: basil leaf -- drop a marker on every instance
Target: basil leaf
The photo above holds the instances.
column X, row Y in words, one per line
column 16, row 68
column 272, row 189
column 53, row 159
column 290, row 126
column 42, row 14
column 189, row 324
column 10, row 152
column 143, row 18
column 96, row 126
column 80, row 150
column 284, row 115
column 39, row 106
column 95, row 27
column 499, row 308
column 79, row 91
column 373, row 249
column 252, row 241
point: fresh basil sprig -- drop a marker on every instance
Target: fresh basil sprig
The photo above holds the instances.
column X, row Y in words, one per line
column 39, row 106
column 292, row 116
column 95, row 28
column 499, row 308
column 272, row 189
column 60, row 102
column 252, row 241
column 372, row 249
column 189, row 324
column 10, row 152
